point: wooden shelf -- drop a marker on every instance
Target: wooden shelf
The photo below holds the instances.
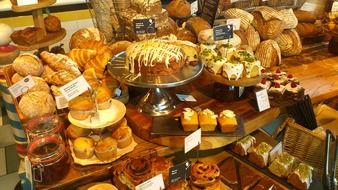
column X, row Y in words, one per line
column 25, row 8
column 50, row 39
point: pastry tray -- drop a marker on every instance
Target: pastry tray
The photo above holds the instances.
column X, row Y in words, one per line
column 93, row 160
column 171, row 126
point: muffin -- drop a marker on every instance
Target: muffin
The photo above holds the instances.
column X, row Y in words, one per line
column 227, row 121
column 103, row 98
column 123, row 135
column 106, row 149
column 207, row 120
column 189, row 119
column 81, row 107
column 74, row 132
column 83, row 147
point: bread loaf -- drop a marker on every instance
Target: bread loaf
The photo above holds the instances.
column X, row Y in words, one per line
column 59, row 78
column 28, row 64
column 246, row 17
column 241, row 34
column 197, row 24
column 268, row 53
column 305, row 16
column 38, row 103
column 267, row 29
column 289, row 18
column 179, row 9
column 307, row 30
column 252, row 36
column 81, row 56
column 289, row 43
column 83, row 35
column 186, row 35
column 268, row 13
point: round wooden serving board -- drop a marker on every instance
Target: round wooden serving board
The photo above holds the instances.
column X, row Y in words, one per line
column 240, row 82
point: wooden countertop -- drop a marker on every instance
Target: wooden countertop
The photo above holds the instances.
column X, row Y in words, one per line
column 318, row 75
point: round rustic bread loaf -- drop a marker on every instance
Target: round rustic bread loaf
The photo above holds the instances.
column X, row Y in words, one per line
column 289, row 43
column 84, row 35
column 267, row 29
column 252, row 37
column 28, row 64
column 179, row 9
column 246, row 17
column 268, row 53
column 289, row 18
column 38, row 103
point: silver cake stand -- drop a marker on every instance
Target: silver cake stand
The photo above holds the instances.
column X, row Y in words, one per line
column 157, row 100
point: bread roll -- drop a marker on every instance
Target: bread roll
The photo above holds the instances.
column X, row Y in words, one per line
column 267, row 29
column 179, row 9
column 85, row 34
column 268, row 53
column 252, row 36
column 83, row 147
column 28, row 64
column 305, row 16
column 307, row 30
column 119, row 46
column 289, row 18
column 52, row 23
column 246, row 17
column 186, row 35
column 289, row 43
column 38, row 103
column 197, row 24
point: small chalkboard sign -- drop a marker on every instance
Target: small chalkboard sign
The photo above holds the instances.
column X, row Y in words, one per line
column 144, row 26
column 179, row 172
column 223, row 32
column 209, row 10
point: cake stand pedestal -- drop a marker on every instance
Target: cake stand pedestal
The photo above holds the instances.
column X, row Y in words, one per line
column 157, row 101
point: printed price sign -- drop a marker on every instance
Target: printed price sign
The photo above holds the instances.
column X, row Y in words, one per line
column 155, row 183
column 179, row 172
column 236, row 23
column 262, row 98
column 26, row 2
column 209, row 10
column 74, row 88
column 144, row 26
column 334, row 7
column 193, row 140
column 21, row 86
column 61, row 102
column 186, row 98
column 223, row 32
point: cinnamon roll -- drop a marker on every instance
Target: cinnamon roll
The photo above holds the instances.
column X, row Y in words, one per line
column 204, row 176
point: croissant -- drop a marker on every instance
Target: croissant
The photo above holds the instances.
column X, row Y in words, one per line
column 90, row 76
column 60, row 62
column 59, row 78
column 99, row 63
column 81, row 56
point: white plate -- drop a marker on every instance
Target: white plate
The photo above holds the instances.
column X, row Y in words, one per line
column 107, row 117
column 93, row 160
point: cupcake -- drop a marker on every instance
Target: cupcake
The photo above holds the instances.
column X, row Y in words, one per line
column 106, row 149
column 189, row 119
column 83, row 147
column 207, row 120
column 74, row 132
column 103, row 98
column 123, row 135
column 227, row 121
column 81, row 107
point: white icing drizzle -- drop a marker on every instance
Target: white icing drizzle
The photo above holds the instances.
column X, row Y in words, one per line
column 227, row 113
column 216, row 65
column 209, row 113
column 304, row 179
column 188, row 113
column 233, row 69
column 149, row 52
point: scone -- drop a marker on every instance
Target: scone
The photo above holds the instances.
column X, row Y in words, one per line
column 123, row 135
column 301, row 177
column 103, row 98
column 260, row 154
column 283, row 165
column 106, row 149
column 204, row 176
column 81, row 107
column 207, row 120
column 227, row 121
column 189, row 119
column 74, row 132
column 83, row 147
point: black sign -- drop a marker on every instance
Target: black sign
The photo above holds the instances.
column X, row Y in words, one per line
column 223, row 32
column 179, row 172
column 209, row 10
column 144, row 26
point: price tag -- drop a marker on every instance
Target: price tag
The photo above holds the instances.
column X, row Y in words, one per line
column 194, row 7
column 233, row 1
column 21, row 86
column 144, row 26
column 155, row 183
column 193, row 140
column 117, row 92
column 209, row 10
column 334, row 7
column 223, row 32
column 74, row 88
column 186, row 98
column 262, row 98
column 308, row 7
column 236, row 23
column 179, row 172
column 26, row 2
column 277, row 150
column 61, row 102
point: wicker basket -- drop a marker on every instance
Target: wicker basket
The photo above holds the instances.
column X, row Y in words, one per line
column 303, row 144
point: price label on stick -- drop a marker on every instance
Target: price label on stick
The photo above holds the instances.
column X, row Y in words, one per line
column 144, row 26
column 277, row 150
column 74, row 88
column 155, row 183
column 193, row 140
column 179, row 172
column 223, row 32
column 236, row 23
column 262, row 98
column 26, row 2
column 22, row 86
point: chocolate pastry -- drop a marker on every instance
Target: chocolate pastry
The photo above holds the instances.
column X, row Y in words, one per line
column 248, row 177
column 267, row 184
column 228, row 170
